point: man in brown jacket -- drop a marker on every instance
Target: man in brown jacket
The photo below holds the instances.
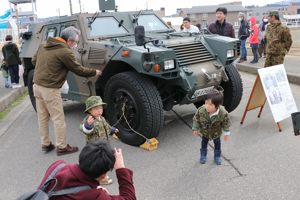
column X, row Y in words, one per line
column 52, row 63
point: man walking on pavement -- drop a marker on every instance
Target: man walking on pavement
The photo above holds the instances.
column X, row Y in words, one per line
column 243, row 35
column 52, row 63
column 279, row 40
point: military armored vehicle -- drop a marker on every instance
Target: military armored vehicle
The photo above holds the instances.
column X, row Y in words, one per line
column 146, row 66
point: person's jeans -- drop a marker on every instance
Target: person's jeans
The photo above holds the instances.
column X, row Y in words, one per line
column 255, row 52
column 14, row 73
column 217, row 143
column 243, row 50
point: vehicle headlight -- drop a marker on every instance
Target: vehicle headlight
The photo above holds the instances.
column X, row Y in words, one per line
column 230, row 53
column 169, row 64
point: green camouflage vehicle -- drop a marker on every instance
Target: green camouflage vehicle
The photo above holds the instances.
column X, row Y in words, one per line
column 147, row 67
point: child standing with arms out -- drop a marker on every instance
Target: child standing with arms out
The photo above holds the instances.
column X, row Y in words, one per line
column 94, row 125
column 210, row 121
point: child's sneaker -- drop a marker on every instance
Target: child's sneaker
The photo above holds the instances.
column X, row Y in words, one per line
column 203, row 156
column 217, row 157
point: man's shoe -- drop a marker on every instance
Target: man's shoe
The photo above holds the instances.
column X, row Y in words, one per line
column 48, row 148
column 67, row 150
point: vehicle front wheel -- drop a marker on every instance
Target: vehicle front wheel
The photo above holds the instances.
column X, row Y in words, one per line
column 233, row 88
column 133, row 97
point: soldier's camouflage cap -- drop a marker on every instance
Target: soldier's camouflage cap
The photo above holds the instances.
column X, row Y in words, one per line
column 273, row 13
column 93, row 101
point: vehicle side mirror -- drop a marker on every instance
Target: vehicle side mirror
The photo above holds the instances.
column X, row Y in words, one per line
column 139, row 33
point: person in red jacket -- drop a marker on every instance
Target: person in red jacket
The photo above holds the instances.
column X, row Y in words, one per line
column 253, row 39
column 95, row 160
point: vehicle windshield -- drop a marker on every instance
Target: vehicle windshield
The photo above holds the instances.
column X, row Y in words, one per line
column 152, row 23
column 106, row 26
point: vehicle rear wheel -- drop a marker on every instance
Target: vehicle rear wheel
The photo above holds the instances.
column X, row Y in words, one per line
column 233, row 88
column 142, row 105
column 30, row 88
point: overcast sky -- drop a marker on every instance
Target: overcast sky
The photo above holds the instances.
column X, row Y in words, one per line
column 47, row 8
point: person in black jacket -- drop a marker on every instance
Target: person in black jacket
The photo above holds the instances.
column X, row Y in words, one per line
column 10, row 53
column 243, row 35
column 221, row 27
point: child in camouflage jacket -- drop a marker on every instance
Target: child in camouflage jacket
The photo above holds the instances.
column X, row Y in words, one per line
column 210, row 121
column 94, row 125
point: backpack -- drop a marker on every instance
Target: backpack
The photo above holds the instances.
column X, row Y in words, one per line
column 247, row 29
column 245, row 32
column 41, row 194
column 260, row 34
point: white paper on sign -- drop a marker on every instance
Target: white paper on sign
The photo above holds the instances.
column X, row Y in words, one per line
column 278, row 91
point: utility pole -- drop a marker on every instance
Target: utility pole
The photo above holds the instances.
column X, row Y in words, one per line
column 17, row 20
column 79, row 1
column 71, row 10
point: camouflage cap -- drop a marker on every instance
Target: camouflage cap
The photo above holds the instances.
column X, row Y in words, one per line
column 93, row 101
column 273, row 13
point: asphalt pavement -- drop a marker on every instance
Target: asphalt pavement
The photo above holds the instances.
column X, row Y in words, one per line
column 259, row 162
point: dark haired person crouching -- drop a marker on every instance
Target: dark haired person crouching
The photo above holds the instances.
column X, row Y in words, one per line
column 95, row 160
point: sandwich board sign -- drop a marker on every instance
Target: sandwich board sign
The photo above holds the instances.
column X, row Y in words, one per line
column 271, row 84
column 278, row 92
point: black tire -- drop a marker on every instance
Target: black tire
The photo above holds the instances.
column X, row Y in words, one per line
column 30, row 88
column 233, row 88
column 143, row 110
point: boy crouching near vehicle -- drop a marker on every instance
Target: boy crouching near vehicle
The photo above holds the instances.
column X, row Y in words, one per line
column 209, row 122
column 94, row 125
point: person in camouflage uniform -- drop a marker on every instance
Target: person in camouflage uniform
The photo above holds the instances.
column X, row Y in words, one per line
column 210, row 121
column 279, row 40
column 94, row 125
